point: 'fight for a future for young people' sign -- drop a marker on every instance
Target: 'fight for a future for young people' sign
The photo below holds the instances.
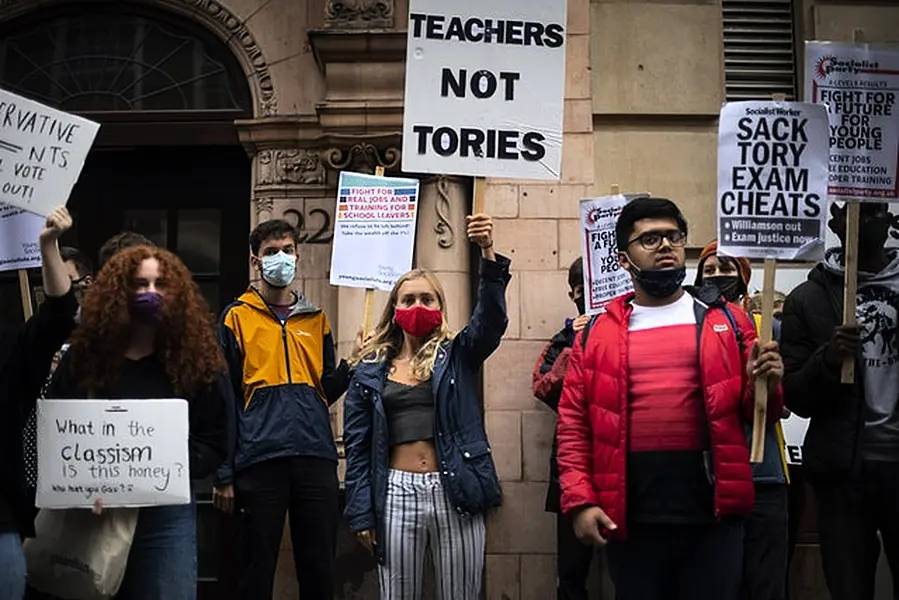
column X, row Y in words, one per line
column 125, row 452
column 484, row 88
column 859, row 84
column 42, row 151
column 772, row 180
column 604, row 279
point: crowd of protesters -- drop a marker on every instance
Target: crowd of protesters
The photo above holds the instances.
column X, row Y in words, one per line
column 655, row 399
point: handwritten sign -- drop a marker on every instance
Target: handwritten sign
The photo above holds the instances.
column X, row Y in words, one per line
column 374, row 231
column 604, row 279
column 42, row 152
column 19, row 230
column 772, row 180
column 125, row 452
column 485, row 83
column 859, row 84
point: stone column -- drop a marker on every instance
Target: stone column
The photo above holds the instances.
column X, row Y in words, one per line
column 441, row 244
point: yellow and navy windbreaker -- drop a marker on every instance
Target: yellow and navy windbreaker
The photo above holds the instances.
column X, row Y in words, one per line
column 284, row 379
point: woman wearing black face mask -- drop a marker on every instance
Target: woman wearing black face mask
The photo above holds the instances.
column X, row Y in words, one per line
column 147, row 332
column 765, row 547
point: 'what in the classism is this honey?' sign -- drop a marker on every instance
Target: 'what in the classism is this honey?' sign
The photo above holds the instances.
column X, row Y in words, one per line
column 484, row 88
column 123, row 452
column 42, row 151
column 859, row 84
column 772, row 180
column 374, row 230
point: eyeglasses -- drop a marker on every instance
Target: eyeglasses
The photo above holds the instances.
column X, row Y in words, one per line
column 652, row 240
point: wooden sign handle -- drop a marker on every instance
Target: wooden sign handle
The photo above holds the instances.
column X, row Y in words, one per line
column 370, row 292
column 760, row 414
column 850, row 282
column 25, row 293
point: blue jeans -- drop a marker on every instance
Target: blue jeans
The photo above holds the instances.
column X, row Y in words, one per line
column 12, row 567
column 162, row 563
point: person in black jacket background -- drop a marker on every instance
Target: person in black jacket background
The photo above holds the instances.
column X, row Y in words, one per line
column 26, row 351
column 851, row 450
column 573, row 558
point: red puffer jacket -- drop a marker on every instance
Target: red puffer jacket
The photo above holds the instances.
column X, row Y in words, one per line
column 593, row 433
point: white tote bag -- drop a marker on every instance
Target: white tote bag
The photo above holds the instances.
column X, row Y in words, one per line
column 77, row 555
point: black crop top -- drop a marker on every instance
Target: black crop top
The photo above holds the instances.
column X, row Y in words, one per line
column 410, row 412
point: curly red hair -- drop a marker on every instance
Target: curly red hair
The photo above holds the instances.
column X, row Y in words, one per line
column 186, row 340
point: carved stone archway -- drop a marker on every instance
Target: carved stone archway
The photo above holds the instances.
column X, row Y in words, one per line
column 213, row 16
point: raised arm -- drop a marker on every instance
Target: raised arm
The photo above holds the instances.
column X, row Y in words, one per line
column 43, row 335
column 550, row 368
column 489, row 320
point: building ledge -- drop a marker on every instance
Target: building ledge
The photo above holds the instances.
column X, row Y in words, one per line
column 331, row 46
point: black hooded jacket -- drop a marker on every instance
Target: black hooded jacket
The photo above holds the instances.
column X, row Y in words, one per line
column 26, row 352
column 832, row 449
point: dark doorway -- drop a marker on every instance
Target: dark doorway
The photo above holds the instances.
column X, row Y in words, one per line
column 166, row 163
column 192, row 200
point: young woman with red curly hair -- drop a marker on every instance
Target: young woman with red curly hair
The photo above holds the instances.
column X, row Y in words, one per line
column 146, row 332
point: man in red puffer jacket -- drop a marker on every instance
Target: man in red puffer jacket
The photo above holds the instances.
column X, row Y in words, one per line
column 652, row 452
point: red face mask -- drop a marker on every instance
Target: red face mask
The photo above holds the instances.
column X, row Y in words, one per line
column 418, row 320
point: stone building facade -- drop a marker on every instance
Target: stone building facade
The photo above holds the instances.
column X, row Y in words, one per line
column 316, row 86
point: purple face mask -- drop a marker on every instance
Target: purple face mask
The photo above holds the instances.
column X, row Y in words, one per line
column 146, row 307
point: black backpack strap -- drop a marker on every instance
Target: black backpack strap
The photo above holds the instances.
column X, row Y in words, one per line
column 585, row 333
column 733, row 324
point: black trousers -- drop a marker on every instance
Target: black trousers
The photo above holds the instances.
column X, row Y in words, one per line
column 678, row 562
column 765, row 546
column 795, row 508
column 849, row 516
column 308, row 489
column 573, row 560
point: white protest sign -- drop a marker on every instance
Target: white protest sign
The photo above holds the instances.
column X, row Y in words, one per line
column 772, row 180
column 374, row 230
column 794, row 436
column 42, row 151
column 604, row 279
column 19, row 231
column 125, row 452
column 484, row 88
column 859, row 84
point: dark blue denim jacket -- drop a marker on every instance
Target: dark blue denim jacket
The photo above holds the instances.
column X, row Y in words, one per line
column 466, row 465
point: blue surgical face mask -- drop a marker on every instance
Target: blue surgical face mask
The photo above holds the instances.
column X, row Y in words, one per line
column 278, row 270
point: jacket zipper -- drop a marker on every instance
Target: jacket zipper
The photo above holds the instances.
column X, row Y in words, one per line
column 286, row 351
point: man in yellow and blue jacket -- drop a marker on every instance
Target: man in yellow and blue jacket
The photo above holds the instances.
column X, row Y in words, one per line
column 282, row 364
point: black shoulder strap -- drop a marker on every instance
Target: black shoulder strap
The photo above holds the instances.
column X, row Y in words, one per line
column 585, row 333
column 733, row 324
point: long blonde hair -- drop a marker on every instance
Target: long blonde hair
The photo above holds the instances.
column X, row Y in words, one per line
column 387, row 340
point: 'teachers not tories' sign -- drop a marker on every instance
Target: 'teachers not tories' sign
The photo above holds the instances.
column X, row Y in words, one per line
column 772, row 180
column 484, row 88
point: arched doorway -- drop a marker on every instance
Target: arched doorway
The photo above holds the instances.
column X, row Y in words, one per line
column 167, row 161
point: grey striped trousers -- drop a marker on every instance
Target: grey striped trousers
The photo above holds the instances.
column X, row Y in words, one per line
column 419, row 519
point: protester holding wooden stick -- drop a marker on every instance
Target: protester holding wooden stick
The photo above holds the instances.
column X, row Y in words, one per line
column 420, row 474
column 765, row 547
column 652, row 448
column 851, row 450
column 26, row 352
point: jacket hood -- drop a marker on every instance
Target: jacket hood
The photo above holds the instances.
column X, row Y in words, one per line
column 833, row 265
column 253, row 297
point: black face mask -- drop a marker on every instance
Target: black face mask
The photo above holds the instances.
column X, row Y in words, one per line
column 658, row 283
column 579, row 302
column 730, row 286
